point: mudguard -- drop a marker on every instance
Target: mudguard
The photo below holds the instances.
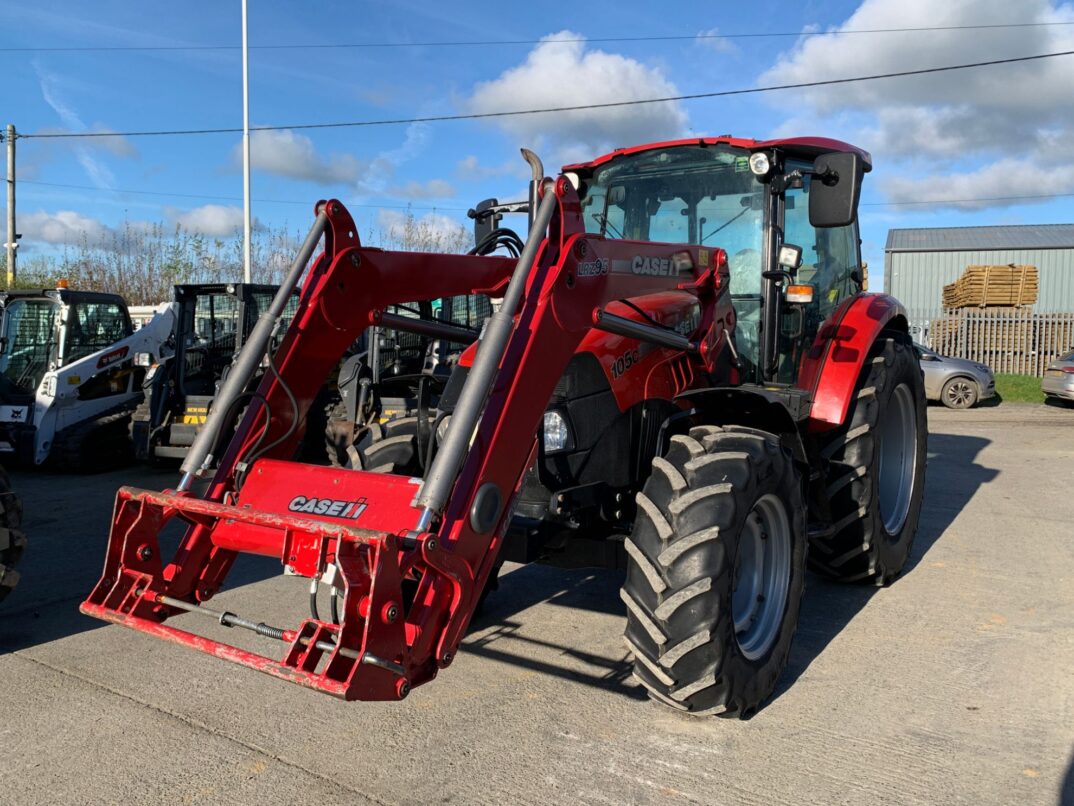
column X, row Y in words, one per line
column 834, row 363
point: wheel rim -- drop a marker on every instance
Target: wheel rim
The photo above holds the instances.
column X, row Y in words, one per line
column 762, row 576
column 959, row 394
column 897, row 437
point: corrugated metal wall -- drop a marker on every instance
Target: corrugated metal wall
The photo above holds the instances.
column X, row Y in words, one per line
column 917, row 278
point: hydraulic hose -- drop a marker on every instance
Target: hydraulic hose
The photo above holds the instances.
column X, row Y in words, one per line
column 475, row 391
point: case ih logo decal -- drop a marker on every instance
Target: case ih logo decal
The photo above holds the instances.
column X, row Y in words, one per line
column 656, row 266
column 328, row 506
column 593, row 268
column 112, row 357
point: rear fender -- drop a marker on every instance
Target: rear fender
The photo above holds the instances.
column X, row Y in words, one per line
column 835, row 362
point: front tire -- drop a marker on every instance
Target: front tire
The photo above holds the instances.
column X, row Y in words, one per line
column 876, row 471
column 715, row 571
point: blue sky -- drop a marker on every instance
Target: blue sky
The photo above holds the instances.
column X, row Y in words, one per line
column 962, row 136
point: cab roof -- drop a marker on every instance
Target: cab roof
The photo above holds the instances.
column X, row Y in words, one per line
column 65, row 295
column 809, row 146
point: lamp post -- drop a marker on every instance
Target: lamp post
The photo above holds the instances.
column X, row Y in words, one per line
column 246, row 226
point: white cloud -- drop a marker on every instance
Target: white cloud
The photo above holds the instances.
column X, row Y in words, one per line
column 64, row 227
column 285, row 153
column 990, row 186
column 974, row 133
column 980, row 109
column 95, row 169
column 433, row 189
column 712, row 40
column 471, row 168
column 432, row 232
column 559, row 72
column 212, row 220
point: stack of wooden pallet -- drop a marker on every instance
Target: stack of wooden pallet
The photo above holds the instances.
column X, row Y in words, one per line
column 990, row 286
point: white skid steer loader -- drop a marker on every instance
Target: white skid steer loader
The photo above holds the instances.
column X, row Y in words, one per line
column 71, row 368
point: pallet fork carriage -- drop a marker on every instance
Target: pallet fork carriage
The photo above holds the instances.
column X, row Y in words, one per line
column 411, row 557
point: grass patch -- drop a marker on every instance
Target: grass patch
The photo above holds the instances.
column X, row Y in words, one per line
column 1019, row 389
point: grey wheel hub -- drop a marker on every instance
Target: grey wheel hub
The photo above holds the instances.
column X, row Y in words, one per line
column 897, row 446
column 959, row 394
column 762, row 576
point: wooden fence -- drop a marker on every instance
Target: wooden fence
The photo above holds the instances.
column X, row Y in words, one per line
column 1009, row 340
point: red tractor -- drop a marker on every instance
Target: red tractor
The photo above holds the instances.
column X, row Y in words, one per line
column 683, row 377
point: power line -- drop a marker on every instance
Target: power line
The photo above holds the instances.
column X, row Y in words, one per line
column 305, row 204
column 548, row 110
column 463, row 209
column 499, row 42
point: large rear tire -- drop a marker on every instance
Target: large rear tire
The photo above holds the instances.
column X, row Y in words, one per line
column 12, row 540
column 876, row 471
column 389, row 447
column 715, row 573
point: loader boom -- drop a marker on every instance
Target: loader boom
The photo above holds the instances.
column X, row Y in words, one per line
column 369, row 532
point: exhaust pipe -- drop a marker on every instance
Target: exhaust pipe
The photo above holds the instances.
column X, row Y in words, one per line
column 537, row 174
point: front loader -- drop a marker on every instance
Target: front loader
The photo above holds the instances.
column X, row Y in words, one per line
column 768, row 402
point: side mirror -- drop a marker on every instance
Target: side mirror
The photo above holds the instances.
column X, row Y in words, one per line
column 485, row 223
column 835, row 189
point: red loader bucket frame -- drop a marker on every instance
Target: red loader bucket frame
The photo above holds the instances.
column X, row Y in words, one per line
column 367, row 532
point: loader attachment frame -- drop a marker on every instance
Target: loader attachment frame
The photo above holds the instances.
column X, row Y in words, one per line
column 365, row 533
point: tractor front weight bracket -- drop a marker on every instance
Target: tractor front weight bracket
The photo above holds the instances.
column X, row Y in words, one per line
column 135, row 591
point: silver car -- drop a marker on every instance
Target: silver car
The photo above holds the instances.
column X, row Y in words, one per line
column 1058, row 381
column 956, row 382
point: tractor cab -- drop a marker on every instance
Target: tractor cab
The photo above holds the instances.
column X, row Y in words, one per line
column 789, row 231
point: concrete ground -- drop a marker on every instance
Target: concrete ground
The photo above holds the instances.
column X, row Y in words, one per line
column 955, row 685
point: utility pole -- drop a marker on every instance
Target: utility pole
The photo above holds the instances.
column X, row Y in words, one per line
column 246, row 228
column 12, row 243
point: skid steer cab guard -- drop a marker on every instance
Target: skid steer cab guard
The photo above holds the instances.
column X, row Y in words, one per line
column 408, row 557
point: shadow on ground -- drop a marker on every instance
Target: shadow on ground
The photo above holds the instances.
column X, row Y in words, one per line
column 68, row 531
column 66, row 519
column 1066, row 788
column 953, row 478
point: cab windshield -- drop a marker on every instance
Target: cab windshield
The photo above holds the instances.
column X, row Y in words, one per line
column 27, row 344
column 697, row 195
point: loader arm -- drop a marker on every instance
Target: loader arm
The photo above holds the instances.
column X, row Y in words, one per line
column 368, row 532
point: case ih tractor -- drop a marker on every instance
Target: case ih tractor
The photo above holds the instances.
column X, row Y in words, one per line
column 682, row 368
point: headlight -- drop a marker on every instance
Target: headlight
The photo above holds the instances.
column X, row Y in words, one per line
column 759, row 163
column 50, row 385
column 557, row 434
column 143, row 359
column 441, row 428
